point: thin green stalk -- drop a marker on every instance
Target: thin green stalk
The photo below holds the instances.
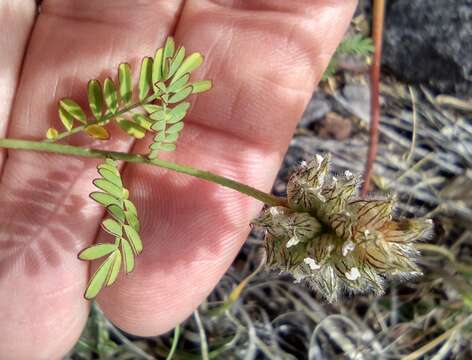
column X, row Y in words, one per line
column 136, row 158
column 106, row 118
column 175, row 342
column 203, row 338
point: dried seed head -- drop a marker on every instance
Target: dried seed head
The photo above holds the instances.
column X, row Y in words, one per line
column 334, row 241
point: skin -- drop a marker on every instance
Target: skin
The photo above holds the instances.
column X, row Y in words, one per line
column 265, row 57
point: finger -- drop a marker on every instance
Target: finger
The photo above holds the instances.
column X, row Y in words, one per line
column 45, row 216
column 265, row 58
column 18, row 18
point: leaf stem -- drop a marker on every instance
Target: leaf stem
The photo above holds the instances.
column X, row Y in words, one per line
column 49, row 147
column 105, row 118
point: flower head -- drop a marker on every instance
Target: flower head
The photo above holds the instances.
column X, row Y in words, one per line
column 334, row 240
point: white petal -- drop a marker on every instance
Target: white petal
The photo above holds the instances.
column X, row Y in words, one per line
column 353, row 274
column 311, row 263
column 292, row 242
column 348, row 246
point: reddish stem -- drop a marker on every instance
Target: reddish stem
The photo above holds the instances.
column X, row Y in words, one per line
column 377, row 32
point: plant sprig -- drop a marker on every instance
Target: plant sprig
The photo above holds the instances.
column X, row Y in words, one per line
column 123, row 225
column 158, row 106
column 320, row 232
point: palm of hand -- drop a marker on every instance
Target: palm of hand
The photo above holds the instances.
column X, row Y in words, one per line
column 265, row 57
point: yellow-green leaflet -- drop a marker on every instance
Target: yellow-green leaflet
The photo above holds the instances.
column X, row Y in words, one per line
column 110, row 95
column 96, row 251
column 95, row 98
column 124, row 78
column 145, row 78
column 100, row 277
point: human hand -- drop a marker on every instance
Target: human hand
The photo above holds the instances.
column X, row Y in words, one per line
column 265, row 57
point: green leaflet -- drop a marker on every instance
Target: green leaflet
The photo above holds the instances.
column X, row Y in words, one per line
column 179, row 112
column 110, row 176
column 110, row 95
column 167, row 57
column 179, row 84
column 112, row 227
column 132, row 128
column 100, row 277
column 117, row 213
column 201, row 86
column 124, row 78
column 190, row 64
column 123, row 225
column 134, row 239
column 145, row 78
column 176, row 61
column 181, row 95
column 66, row 119
column 128, row 256
column 73, row 109
column 110, row 188
column 97, row 132
column 105, row 199
column 96, row 251
column 157, row 66
column 95, row 98
column 115, row 268
column 142, row 121
column 151, row 108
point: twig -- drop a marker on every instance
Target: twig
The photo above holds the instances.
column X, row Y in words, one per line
column 377, row 31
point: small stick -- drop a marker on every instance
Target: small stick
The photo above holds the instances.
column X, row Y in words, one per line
column 377, row 32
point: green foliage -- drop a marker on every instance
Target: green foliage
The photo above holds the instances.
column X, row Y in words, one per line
column 123, row 225
column 95, row 341
column 159, row 105
column 351, row 45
